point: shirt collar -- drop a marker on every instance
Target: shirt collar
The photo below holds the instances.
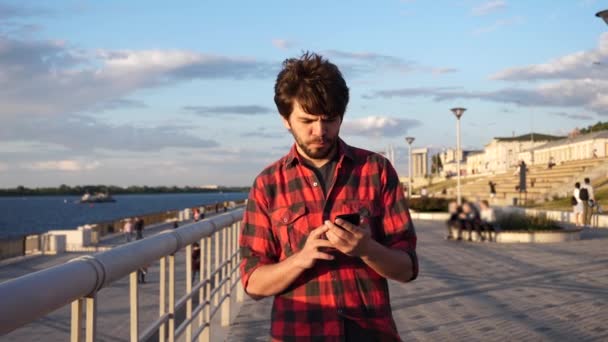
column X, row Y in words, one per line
column 344, row 151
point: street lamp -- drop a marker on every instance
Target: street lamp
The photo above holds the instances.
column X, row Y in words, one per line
column 603, row 14
column 458, row 112
column 409, row 141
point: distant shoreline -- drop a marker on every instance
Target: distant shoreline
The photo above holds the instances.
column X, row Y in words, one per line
column 80, row 190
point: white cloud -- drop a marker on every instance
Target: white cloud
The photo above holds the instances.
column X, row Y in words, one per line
column 64, row 165
column 579, row 65
column 52, row 78
column 572, row 81
column 378, row 126
column 283, row 44
column 488, row 7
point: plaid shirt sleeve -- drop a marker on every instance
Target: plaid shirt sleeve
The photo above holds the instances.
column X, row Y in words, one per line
column 258, row 246
column 398, row 228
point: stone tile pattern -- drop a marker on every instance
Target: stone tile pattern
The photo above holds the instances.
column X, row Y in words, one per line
column 489, row 292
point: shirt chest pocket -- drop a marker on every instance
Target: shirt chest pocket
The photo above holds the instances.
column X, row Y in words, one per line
column 291, row 227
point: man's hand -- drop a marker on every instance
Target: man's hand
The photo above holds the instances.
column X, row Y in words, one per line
column 351, row 240
column 307, row 257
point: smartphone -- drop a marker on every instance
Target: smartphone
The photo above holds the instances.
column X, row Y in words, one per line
column 353, row 218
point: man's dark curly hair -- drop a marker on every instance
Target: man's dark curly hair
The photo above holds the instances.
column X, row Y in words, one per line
column 315, row 83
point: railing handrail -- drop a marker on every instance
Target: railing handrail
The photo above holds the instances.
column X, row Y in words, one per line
column 28, row 298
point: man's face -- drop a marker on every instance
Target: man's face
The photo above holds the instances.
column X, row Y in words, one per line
column 315, row 135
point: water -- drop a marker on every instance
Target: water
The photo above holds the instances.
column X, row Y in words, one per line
column 38, row 214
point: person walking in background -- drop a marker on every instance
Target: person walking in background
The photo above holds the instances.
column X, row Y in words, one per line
column 196, row 261
column 141, row 274
column 328, row 276
column 587, row 197
column 551, row 163
column 195, row 214
column 492, row 186
column 127, row 229
column 577, row 209
column 139, row 228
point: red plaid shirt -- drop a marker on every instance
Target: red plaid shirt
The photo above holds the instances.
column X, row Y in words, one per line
column 287, row 202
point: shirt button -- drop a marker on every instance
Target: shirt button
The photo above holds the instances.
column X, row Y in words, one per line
column 340, row 311
column 285, row 220
column 315, row 184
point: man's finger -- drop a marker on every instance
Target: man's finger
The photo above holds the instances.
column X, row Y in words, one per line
column 323, row 243
column 341, row 224
column 324, row 256
column 317, row 232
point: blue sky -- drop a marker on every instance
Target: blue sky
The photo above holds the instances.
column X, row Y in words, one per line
column 180, row 93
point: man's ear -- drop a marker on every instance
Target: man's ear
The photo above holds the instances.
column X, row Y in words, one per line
column 286, row 123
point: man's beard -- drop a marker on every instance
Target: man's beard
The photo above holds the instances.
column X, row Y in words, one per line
column 316, row 153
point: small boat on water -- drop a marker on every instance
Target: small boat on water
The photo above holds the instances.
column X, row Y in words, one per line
column 99, row 197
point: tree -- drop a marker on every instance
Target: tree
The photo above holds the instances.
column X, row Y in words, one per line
column 436, row 165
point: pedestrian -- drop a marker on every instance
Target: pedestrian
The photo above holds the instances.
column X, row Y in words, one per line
column 127, row 229
column 196, row 260
column 139, row 228
column 587, row 197
column 492, row 186
column 195, row 214
column 424, row 192
column 328, row 276
column 577, row 205
column 551, row 163
column 141, row 274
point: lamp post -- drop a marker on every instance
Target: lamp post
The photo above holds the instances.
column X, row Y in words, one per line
column 603, row 14
column 458, row 113
column 409, row 141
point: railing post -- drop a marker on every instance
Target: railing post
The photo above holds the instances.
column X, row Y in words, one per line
column 188, row 290
column 240, row 292
column 162, row 296
column 91, row 328
column 172, row 298
column 216, row 247
column 133, row 307
column 76, row 326
column 225, row 279
column 205, row 336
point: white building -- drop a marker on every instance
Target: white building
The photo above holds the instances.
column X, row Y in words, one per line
column 585, row 146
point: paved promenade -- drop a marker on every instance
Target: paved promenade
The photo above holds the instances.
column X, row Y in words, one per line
column 489, row 292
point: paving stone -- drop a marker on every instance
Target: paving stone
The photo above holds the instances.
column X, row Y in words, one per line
column 489, row 292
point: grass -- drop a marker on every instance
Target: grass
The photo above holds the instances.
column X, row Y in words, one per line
column 601, row 195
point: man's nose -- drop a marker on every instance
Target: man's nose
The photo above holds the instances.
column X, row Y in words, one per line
column 319, row 128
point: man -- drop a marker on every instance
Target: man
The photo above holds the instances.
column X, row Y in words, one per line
column 587, row 197
column 328, row 277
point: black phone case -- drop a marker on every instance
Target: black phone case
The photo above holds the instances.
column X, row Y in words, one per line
column 354, row 218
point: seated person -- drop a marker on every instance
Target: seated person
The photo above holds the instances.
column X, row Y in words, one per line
column 488, row 218
column 471, row 219
column 454, row 221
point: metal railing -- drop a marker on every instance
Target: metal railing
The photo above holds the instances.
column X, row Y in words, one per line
column 47, row 290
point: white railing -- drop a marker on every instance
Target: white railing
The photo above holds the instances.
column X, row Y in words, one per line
column 79, row 280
